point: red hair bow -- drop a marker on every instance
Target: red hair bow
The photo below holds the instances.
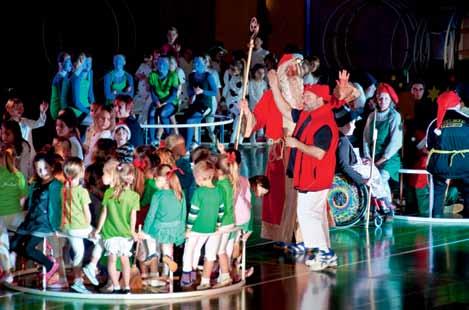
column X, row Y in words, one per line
column 171, row 172
column 140, row 164
column 231, row 157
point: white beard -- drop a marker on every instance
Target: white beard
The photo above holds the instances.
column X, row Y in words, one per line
column 291, row 87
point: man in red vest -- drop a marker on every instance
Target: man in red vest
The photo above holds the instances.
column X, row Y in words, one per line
column 312, row 159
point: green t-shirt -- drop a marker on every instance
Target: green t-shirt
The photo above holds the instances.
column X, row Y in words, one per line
column 13, row 187
column 162, row 88
column 228, row 216
column 74, row 216
column 148, row 190
column 207, row 209
column 117, row 222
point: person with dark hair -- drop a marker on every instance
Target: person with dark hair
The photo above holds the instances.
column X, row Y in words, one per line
column 123, row 106
column 172, row 45
column 11, row 134
column 57, row 98
column 201, row 89
column 66, row 126
column 164, row 94
column 258, row 53
column 118, row 81
column 43, row 219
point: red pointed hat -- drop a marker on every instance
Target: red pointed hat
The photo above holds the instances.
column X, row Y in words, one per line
column 285, row 58
column 386, row 88
column 319, row 90
column 447, row 100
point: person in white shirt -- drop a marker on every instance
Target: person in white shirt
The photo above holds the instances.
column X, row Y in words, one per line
column 258, row 53
column 14, row 110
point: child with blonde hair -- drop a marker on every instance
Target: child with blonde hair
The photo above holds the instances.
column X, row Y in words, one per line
column 205, row 215
column 104, row 125
column 165, row 221
column 117, row 220
column 76, row 218
column 227, row 179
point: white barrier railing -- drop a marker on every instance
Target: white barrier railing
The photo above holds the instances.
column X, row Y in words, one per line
column 222, row 124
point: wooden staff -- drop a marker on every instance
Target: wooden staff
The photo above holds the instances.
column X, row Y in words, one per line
column 368, row 203
column 254, row 29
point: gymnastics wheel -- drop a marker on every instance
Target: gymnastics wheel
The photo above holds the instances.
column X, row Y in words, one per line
column 347, row 201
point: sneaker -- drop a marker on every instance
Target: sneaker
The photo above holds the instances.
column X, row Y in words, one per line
column 202, row 287
column 125, row 291
column 322, row 260
column 90, row 273
column 53, row 270
column 296, row 248
column 154, row 283
column 223, row 283
column 55, row 282
column 79, row 287
column 186, row 280
column 454, row 208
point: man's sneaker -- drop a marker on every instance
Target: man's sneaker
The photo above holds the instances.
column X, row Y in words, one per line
column 79, row 287
column 90, row 273
column 322, row 260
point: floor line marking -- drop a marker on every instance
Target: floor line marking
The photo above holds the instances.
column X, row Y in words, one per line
column 359, row 262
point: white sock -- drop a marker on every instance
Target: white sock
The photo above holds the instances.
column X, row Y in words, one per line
column 116, row 287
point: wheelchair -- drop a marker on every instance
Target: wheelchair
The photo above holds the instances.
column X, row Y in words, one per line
column 347, row 203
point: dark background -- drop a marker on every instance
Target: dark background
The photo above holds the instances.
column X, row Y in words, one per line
column 384, row 37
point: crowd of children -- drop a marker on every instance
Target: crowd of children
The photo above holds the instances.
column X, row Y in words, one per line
column 84, row 203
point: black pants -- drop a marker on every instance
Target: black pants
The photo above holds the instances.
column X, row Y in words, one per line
column 25, row 245
column 439, row 190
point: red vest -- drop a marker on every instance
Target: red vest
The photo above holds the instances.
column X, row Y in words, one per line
column 311, row 174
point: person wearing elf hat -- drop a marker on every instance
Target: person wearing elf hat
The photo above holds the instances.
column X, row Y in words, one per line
column 389, row 137
column 449, row 150
column 312, row 158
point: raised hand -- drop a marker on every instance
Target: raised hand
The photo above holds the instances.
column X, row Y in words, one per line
column 343, row 78
column 43, row 107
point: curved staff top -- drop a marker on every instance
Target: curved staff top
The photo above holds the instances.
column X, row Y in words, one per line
column 254, row 29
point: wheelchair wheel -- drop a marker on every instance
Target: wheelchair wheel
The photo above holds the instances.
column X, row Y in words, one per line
column 347, row 201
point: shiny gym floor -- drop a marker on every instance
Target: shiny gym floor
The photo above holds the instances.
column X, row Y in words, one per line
column 400, row 265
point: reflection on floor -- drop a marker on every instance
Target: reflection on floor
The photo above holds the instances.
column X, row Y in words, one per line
column 401, row 265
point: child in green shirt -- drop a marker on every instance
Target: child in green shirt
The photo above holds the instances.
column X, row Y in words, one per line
column 165, row 221
column 117, row 220
column 205, row 216
column 76, row 220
